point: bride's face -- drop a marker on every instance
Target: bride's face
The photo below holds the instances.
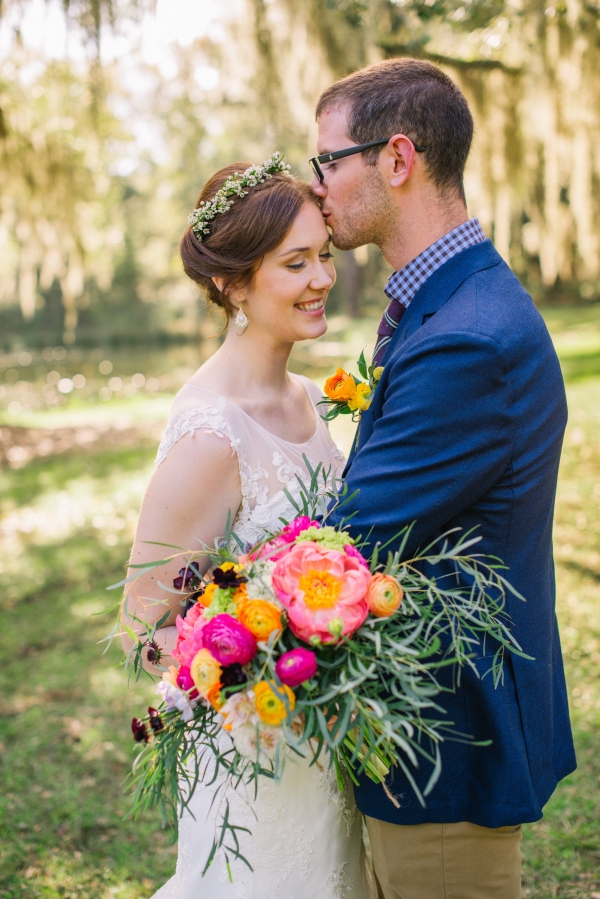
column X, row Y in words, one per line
column 288, row 293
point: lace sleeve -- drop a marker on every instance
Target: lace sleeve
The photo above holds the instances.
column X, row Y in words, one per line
column 205, row 418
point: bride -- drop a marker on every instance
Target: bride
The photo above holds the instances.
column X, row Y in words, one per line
column 235, row 442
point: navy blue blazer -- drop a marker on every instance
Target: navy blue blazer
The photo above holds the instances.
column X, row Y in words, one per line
column 465, row 429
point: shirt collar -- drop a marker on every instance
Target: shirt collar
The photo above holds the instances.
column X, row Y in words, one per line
column 404, row 284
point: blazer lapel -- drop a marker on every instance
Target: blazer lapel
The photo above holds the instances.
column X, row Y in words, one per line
column 434, row 293
column 439, row 287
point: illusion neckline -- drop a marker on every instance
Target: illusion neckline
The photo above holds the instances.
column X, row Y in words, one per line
column 318, row 419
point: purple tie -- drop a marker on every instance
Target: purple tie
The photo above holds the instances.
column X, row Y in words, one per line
column 387, row 326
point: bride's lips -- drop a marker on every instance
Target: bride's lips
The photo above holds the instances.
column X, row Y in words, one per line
column 311, row 307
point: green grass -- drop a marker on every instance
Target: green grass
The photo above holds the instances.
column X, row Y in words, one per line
column 65, row 747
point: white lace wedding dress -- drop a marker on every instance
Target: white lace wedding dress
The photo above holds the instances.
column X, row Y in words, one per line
column 306, row 840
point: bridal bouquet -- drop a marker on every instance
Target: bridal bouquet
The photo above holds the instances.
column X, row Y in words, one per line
column 303, row 644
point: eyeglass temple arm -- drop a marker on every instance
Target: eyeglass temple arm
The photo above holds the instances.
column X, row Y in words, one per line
column 340, row 154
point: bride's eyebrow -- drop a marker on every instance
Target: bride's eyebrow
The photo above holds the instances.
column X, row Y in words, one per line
column 295, row 250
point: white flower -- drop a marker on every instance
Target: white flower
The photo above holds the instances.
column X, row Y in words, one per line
column 176, row 698
column 234, row 185
column 260, row 582
column 240, row 710
column 270, row 739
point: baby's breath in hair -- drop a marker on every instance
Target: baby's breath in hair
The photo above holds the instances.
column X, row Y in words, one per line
column 234, row 187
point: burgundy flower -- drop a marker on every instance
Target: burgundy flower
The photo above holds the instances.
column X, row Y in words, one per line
column 186, row 576
column 228, row 641
column 138, row 728
column 233, row 676
column 227, row 579
column 153, row 652
column 155, row 720
column 296, row 666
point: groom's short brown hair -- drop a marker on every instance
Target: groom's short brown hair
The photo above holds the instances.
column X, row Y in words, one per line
column 412, row 97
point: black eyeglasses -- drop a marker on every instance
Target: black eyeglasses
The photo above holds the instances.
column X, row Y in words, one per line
column 339, row 154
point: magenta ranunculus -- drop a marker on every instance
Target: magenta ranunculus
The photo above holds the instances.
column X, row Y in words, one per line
column 228, row 641
column 295, row 527
column 323, row 591
column 184, row 678
column 352, row 551
column 296, row 666
column 277, row 547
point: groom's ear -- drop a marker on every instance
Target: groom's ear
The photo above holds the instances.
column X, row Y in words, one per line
column 398, row 160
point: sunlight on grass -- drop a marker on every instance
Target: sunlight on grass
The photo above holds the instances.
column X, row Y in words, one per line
column 66, row 523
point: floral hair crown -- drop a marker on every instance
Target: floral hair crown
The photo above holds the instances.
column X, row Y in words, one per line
column 234, row 187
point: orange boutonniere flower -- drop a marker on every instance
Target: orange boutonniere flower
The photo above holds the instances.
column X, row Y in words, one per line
column 347, row 395
column 341, row 387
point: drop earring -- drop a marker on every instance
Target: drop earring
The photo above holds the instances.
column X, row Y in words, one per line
column 241, row 321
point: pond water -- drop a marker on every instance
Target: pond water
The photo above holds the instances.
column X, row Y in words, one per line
column 59, row 378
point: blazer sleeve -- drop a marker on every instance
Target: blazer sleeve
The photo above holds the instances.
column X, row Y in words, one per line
column 444, row 437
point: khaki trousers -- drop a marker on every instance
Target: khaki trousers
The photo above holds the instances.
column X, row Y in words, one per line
column 445, row 861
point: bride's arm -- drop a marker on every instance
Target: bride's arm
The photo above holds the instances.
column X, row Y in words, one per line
column 186, row 504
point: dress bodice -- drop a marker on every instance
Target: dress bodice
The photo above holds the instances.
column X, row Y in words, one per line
column 268, row 464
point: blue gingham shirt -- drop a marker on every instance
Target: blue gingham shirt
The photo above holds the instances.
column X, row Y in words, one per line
column 402, row 286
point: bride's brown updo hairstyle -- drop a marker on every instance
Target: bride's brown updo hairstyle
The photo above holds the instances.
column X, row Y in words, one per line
column 239, row 238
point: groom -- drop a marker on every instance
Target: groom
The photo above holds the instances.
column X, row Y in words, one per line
column 465, row 430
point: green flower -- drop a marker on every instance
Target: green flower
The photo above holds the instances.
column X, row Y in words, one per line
column 327, row 537
column 222, row 603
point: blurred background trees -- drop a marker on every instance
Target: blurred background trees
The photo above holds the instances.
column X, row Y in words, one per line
column 113, row 113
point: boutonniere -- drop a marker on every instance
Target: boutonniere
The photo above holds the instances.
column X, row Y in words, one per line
column 348, row 395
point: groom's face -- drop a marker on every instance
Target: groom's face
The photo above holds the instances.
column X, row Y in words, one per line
column 353, row 194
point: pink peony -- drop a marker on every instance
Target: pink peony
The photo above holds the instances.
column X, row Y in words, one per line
column 352, row 551
column 189, row 639
column 323, row 591
column 296, row 666
column 228, row 641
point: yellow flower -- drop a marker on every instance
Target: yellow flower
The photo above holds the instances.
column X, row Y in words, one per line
column 384, row 595
column 230, row 566
column 341, row 386
column 361, row 399
column 270, row 705
column 205, row 671
column 260, row 617
column 377, row 373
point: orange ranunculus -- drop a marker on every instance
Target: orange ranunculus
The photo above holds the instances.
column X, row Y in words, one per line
column 384, row 595
column 241, row 594
column 341, row 386
column 260, row 617
column 214, row 696
column 270, row 705
column 205, row 671
column 207, row 597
